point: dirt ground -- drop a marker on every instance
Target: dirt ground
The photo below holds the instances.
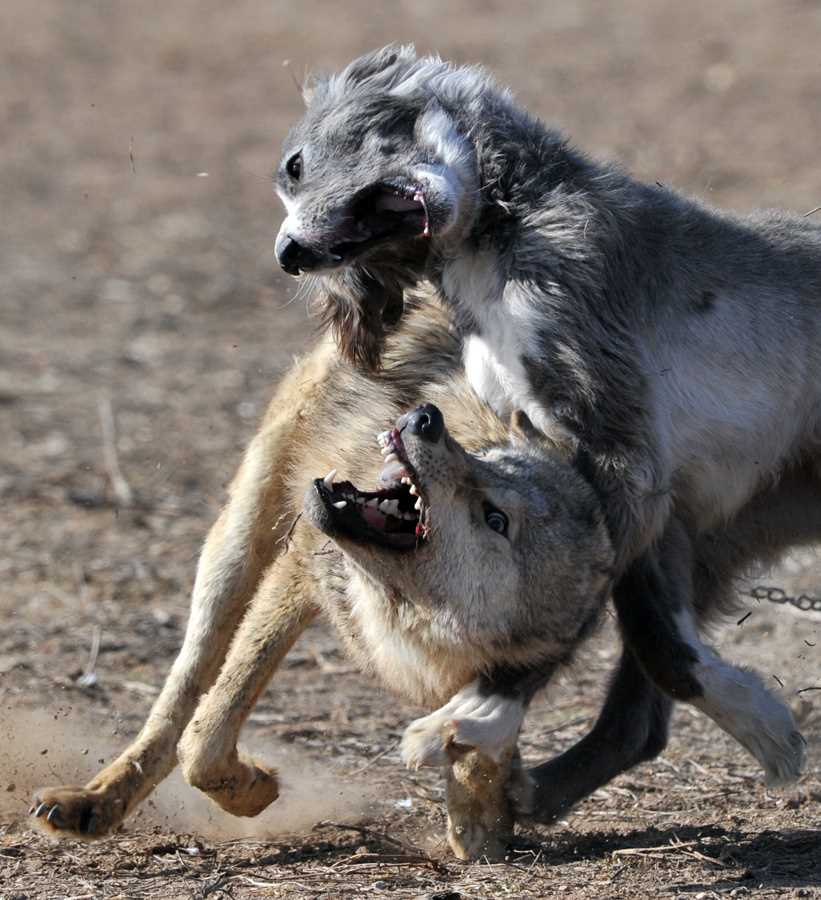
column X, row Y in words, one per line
column 138, row 297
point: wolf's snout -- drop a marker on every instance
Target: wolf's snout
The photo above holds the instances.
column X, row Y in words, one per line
column 426, row 422
column 294, row 257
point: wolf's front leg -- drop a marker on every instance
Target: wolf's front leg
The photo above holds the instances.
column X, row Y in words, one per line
column 280, row 611
column 475, row 734
column 477, row 716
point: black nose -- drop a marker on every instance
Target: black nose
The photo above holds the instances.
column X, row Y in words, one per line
column 295, row 257
column 426, row 422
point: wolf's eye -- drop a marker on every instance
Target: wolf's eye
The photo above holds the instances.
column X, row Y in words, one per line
column 294, row 166
column 496, row 520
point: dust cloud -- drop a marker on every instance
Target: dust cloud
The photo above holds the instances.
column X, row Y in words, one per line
column 39, row 749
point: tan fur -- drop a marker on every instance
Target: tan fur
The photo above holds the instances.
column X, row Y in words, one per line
column 480, row 815
column 265, row 573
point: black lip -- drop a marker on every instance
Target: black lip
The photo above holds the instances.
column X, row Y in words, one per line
column 348, row 522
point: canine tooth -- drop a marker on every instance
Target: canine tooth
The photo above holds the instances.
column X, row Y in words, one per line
column 340, row 504
column 382, row 438
column 418, row 505
column 413, row 489
column 328, row 480
column 386, row 450
column 389, row 507
column 406, row 480
column 391, row 457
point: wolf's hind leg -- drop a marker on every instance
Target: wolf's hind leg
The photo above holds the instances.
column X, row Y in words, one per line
column 737, row 701
column 658, row 623
column 227, row 574
column 632, row 727
column 245, row 538
column 280, row 611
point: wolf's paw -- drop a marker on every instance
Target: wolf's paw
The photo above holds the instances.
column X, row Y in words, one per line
column 424, row 742
column 769, row 733
column 244, row 790
column 738, row 701
column 492, row 729
column 783, row 759
column 75, row 812
column 489, row 724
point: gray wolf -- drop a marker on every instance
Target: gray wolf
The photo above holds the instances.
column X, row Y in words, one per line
column 465, row 547
column 672, row 349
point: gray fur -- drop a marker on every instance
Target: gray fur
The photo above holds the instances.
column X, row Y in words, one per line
column 671, row 349
column 664, row 337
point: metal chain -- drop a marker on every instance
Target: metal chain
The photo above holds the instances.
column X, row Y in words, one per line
column 776, row 595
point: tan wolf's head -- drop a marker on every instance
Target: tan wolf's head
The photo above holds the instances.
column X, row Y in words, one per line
column 506, row 547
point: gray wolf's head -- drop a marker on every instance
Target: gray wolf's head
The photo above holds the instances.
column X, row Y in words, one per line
column 510, row 541
column 374, row 178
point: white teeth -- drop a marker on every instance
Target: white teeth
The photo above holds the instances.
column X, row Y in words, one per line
column 386, row 450
column 382, row 438
column 391, row 457
column 418, row 505
column 340, row 504
column 389, row 507
column 413, row 490
column 328, row 480
column 406, row 480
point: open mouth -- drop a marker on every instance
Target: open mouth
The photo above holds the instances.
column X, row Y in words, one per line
column 395, row 516
column 383, row 211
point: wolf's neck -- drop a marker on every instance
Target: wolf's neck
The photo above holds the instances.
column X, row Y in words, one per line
column 520, row 163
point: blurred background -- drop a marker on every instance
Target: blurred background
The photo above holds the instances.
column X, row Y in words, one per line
column 143, row 322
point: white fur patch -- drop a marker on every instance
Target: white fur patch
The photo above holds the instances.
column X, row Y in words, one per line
column 437, row 132
column 489, row 723
column 493, row 358
column 452, row 181
column 738, row 702
column 291, row 206
column 290, row 226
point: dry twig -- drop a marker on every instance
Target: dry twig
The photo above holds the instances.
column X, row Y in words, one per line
column 122, row 489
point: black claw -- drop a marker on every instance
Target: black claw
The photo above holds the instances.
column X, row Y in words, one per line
column 53, row 812
column 31, row 810
column 41, row 809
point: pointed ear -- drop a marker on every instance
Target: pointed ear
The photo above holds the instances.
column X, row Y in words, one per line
column 377, row 62
column 522, row 429
column 314, row 87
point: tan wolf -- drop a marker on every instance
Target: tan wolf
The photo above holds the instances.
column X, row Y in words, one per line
column 467, row 549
